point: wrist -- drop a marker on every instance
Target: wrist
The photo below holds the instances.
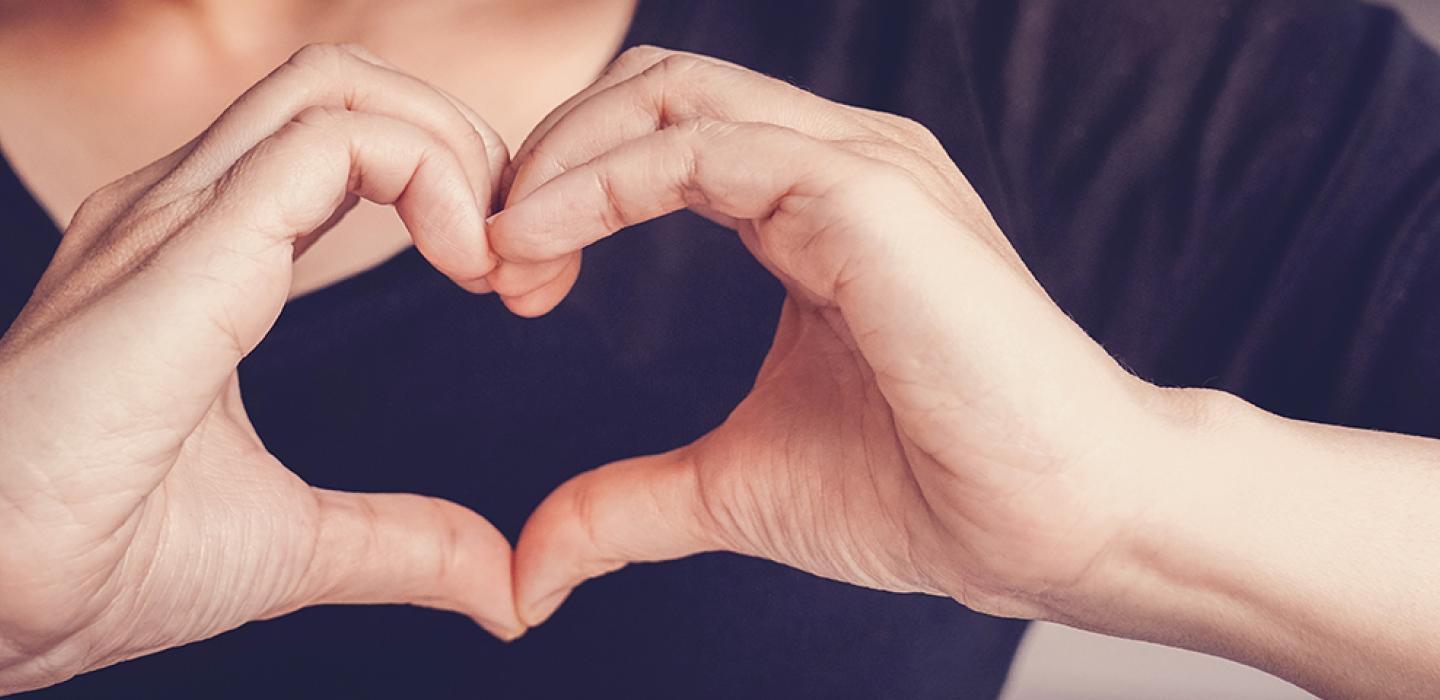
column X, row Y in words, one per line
column 1233, row 550
column 1184, row 481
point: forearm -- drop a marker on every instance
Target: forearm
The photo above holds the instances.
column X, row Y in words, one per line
column 1307, row 550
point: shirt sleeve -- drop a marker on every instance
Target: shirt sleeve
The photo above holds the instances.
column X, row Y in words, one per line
column 1226, row 193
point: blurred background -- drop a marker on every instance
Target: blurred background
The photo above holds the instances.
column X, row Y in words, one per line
column 1058, row 663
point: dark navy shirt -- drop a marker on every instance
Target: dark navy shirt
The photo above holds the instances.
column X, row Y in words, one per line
column 1227, row 193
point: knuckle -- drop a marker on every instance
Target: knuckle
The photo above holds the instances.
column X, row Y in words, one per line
column 448, row 215
column 615, row 213
column 585, row 513
column 102, row 204
column 690, row 127
column 353, row 49
column 310, row 131
column 319, row 116
column 449, row 549
column 885, row 181
column 906, row 125
column 915, row 132
column 675, row 65
column 704, row 137
column 701, row 127
column 637, row 57
column 320, row 57
column 882, row 151
column 476, row 143
column 471, row 136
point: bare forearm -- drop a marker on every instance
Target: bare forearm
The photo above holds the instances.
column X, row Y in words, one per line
column 1306, row 550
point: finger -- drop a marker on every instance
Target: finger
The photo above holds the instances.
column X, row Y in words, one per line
column 179, row 323
column 84, row 235
column 548, row 285
column 326, row 75
column 671, row 89
column 629, row 64
column 342, row 76
column 304, row 242
column 645, row 90
column 639, row 510
column 400, row 548
column 292, row 183
column 531, row 289
column 513, row 280
column 743, row 171
column 498, row 152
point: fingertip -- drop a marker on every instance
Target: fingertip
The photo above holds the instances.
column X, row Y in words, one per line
column 504, row 633
column 550, row 557
column 543, row 300
column 469, row 270
column 506, row 233
column 537, row 229
column 487, row 594
column 528, row 306
column 448, row 227
column 404, row 548
column 479, row 285
column 533, row 290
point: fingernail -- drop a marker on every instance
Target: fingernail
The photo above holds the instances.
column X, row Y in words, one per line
column 542, row 609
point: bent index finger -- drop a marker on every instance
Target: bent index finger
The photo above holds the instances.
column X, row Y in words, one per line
column 530, row 290
column 207, row 295
column 741, row 171
column 290, row 184
column 162, row 338
column 671, row 90
column 498, row 152
column 343, row 77
column 629, row 64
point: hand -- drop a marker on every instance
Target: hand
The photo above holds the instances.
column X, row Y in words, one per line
column 927, row 419
column 140, row 510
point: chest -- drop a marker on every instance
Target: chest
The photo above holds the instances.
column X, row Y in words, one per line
column 397, row 380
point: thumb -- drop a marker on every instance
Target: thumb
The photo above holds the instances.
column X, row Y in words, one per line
column 408, row 549
column 637, row 510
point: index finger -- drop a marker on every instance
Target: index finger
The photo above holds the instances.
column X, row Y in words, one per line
column 350, row 78
column 657, row 90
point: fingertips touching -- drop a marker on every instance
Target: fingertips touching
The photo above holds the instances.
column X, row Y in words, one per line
column 402, row 548
column 638, row 510
column 537, row 300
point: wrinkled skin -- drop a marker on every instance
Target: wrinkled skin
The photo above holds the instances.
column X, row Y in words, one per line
column 927, row 420
column 140, row 509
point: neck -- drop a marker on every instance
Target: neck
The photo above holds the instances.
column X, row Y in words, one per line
column 229, row 26
column 243, row 27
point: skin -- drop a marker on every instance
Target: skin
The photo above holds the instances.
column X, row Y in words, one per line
column 927, row 421
column 73, row 116
column 143, row 510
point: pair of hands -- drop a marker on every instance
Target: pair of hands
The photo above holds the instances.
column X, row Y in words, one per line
column 927, row 420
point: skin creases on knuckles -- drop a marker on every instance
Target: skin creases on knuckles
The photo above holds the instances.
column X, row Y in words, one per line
column 138, row 311
column 867, row 221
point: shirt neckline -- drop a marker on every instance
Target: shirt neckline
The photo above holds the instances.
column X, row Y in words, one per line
column 648, row 24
